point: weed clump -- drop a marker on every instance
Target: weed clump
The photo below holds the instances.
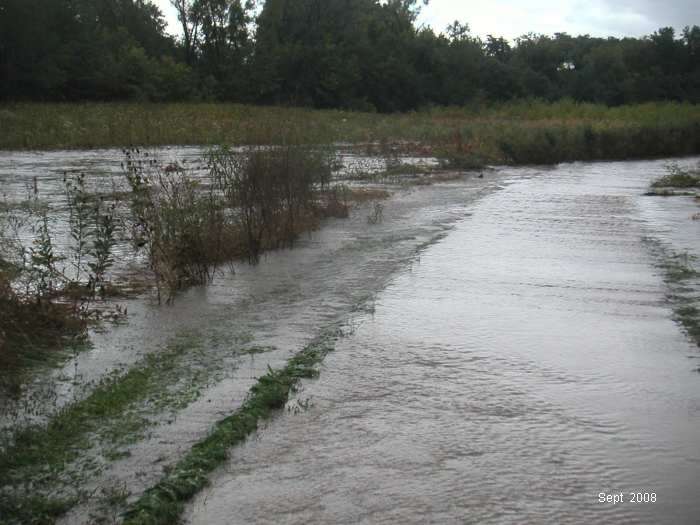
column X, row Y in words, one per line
column 249, row 201
column 678, row 178
column 33, row 324
column 30, row 330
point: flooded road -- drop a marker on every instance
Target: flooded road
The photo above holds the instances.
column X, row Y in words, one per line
column 525, row 363
column 510, row 352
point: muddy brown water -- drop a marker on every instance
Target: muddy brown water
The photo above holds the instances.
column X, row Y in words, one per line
column 244, row 301
column 510, row 354
column 525, row 365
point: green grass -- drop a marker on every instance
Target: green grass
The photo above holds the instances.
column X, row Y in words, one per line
column 689, row 317
column 40, row 457
column 678, row 178
column 678, row 268
column 33, row 509
column 679, row 273
column 44, row 466
column 520, row 133
column 163, row 503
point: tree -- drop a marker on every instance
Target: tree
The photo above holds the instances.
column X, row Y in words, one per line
column 189, row 16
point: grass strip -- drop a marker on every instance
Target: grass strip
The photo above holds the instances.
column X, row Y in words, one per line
column 689, row 317
column 678, row 273
column 39, row 456
column 163, row 503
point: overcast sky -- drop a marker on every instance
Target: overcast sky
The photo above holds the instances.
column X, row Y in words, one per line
column 512, row 18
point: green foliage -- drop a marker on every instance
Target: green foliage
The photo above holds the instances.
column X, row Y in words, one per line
column 102, row 49
column 79, row 207
column 43, row 261
column 273, row 191
column 356, row 54
column 103, row 242
column 179, row 226
column 678, row 178
column 163, row 503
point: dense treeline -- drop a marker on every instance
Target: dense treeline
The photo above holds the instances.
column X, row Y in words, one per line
column 357, row 54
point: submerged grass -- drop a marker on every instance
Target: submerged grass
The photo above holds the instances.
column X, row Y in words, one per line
column 689, row 317
column 33, row 509
column 38, row 458
column 163, row 503
column 678, row 178
column 520, row 132
column 34, row 334
column 683, row 279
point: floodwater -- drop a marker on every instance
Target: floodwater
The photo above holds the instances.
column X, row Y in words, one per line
column 315, row 284
column 509, row 354
column 525, row 364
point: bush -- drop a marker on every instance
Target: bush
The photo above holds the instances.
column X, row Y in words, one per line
column 179, row 225
column 272, row 193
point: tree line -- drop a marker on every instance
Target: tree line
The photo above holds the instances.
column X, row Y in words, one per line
column 355, row 54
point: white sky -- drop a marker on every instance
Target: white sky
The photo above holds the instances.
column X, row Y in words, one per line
column 512, row 18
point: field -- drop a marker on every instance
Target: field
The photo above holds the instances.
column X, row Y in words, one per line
column 515, row 133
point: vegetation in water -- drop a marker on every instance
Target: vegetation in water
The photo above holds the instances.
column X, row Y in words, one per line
column 678, row 178
column 33, row 325
column 465, row 137
column 46, row 293
column 46, row 464
column 163, row 503
column 683, row 279
column 248, row 202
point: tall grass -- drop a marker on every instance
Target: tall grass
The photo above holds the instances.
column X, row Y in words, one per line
column 517, row 132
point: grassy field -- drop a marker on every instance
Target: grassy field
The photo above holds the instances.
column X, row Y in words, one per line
column 517, row 133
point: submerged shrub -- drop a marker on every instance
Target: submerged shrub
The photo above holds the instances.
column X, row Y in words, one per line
column 31, row 330
column 271, row 194
column 178, row 224
column 34, row 324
